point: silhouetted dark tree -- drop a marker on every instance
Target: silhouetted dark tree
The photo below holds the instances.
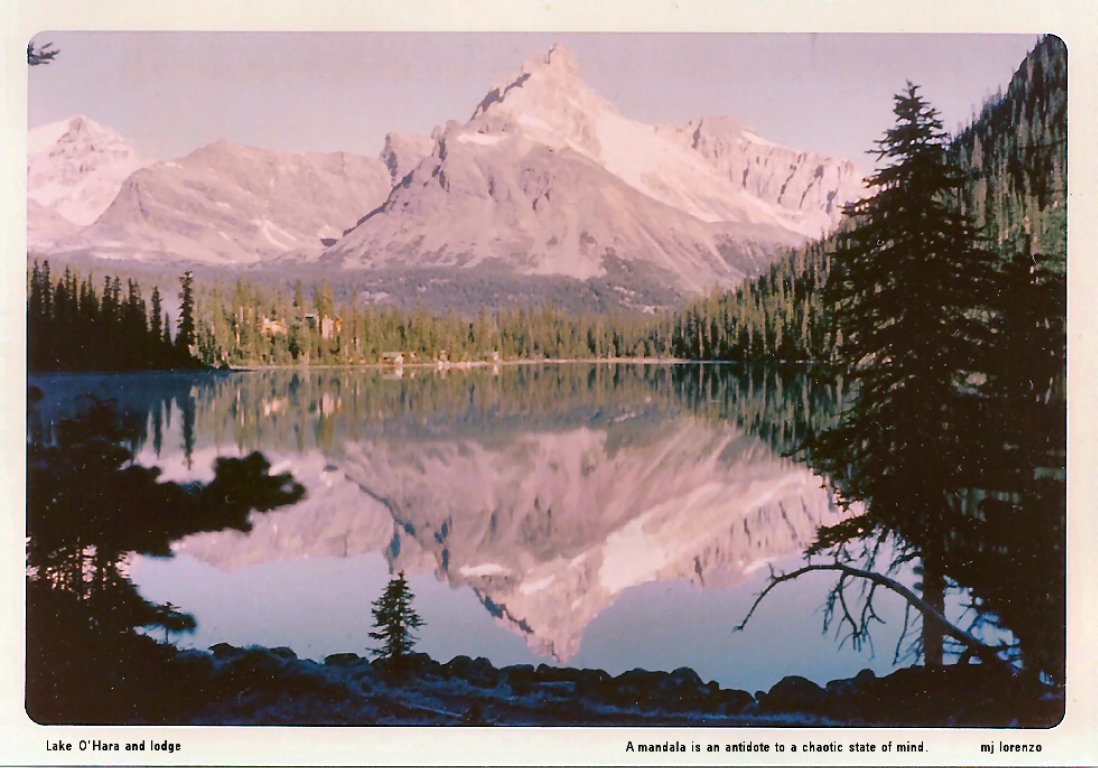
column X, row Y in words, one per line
column 395, row 620
column 1012, row 552
column 156, row 322
column 89, row 508
column 909, row 292
column 185, row 338
column 70, row 327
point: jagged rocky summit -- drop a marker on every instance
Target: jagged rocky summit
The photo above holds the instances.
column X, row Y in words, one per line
column 546, row 178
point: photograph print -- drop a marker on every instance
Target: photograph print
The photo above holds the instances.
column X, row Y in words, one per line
column 535, row 379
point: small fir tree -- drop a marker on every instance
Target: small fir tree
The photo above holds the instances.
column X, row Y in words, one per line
column 395, row 620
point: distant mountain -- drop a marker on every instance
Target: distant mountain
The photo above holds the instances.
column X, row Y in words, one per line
column 230, row 204
column 46, row 224
column 547, row 177
column 75, row 168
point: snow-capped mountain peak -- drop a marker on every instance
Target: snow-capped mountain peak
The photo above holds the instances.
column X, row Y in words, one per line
column 45, row 136
column 550, row 177
column 558, row 59
column 75, row 167
column 78, row 138
column 549, row 103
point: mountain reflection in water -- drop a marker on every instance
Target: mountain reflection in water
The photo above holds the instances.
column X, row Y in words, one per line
column 550, row 493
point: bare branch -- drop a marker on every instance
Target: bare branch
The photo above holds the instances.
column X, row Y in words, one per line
column 903, row 633
column 972, row 645
column 857, row 632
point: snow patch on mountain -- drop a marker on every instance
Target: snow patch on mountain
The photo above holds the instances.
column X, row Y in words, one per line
column 753, row 138
column 480, row 138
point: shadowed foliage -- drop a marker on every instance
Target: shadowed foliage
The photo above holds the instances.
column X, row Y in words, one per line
column 89, row 508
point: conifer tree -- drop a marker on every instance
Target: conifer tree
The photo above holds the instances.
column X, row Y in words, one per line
column 396, row 620
column 156, row 329
column 908, row 289
column 186, row 335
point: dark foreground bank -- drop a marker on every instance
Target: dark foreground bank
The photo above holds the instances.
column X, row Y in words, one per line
column 262, row 686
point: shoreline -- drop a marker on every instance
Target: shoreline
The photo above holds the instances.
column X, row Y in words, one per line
column 254, row 685
column 463, row 366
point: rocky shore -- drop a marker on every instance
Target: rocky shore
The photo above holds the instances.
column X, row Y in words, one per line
column 273, row 686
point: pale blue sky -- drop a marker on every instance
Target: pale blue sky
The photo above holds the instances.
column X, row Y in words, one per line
column 173, row 92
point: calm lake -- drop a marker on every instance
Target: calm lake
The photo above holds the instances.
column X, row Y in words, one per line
column 609, row 516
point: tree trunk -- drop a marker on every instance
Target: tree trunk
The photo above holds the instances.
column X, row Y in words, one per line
column 934, row 595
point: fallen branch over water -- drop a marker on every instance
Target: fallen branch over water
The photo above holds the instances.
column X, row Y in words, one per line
column 973, row 646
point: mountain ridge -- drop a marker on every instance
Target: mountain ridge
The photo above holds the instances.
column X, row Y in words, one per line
column 545, row 178
column 527, row 178
column 226, row 203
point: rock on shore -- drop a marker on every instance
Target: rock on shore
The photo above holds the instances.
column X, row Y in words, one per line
column 272, row 686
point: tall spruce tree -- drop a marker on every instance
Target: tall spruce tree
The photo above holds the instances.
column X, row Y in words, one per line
column 186, row 335
column 909, row 289
column 156, row 328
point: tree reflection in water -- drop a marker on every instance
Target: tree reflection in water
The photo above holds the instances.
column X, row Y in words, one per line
column 89, row 507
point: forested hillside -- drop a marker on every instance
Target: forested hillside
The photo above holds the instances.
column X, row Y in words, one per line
column 1013, row 161
column 1016, row 158
column 780, row 315
column 248, row 324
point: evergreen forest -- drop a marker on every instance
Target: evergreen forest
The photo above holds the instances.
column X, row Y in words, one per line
column 1012, row 163
column 73, row 327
